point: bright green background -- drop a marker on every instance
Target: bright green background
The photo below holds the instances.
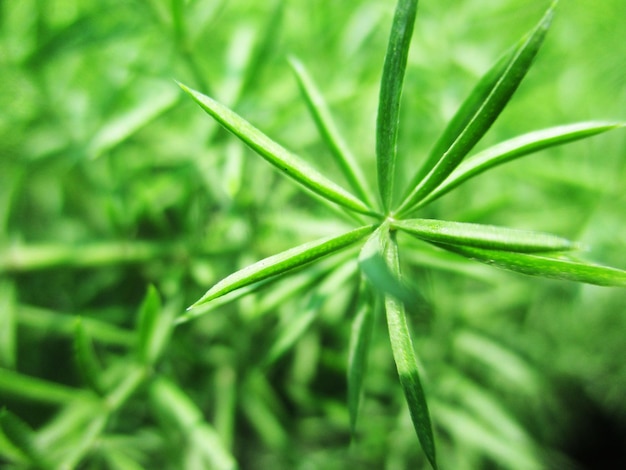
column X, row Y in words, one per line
column 111, row 180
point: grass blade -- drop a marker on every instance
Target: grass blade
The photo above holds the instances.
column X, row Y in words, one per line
column 390, row 93
column 517, row 147
column 328, row 130
column 477, row 114
column 484, row 236
column 554, row 267
column 406, row 362
column 282, row 262
column 288, row 163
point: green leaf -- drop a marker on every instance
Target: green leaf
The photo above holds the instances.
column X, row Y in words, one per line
column 296, row 325
column 266, row 42
column 517, row 147
column 380, row 264
column 376, row 270
column 133, row 377
column 483, row 236
column 60, row 324
column 476, row 115
column 38, row 390
column 282, row 262
column 361, row 334
column 86, row 360
column 555, row 267
column 73, row 432
column 406, row 360
column 175, row 407
column 154, row 327
column 22, row 437
column 153, row 102
column 288, row 163
column 8, row 325
column 390, row 93
column 328, row 130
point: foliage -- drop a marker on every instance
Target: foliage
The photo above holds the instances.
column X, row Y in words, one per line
column 114, row 182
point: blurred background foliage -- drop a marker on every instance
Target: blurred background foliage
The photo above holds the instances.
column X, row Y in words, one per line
column 111, row 181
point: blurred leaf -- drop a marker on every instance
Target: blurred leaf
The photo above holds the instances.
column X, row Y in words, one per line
column 154, row 327
column 483, row 236
column 173, row 405
column 285, row 161
column 555, row 267
column 517, row 147
column 282, row 262
column 267, row 38
column 261, row 405
column 478, row 438
column 361, row 334
column 8, row 326
column 225, row 417
column 329, row 132
column 126, row 123
column 29, row 388
column 390, row 94
column 85, row 357
column 19, row 258
column 476, row 115
column 134, row 376
column 22, row 437
column 298, row 324
column 73, row 433
column 57, row 323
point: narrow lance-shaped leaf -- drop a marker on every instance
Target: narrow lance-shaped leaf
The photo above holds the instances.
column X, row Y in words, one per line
column 401, row 343
column 542, row 265
column 390, row 94
column 406, row 363
column 463, row 116
column 517, row 147
column 281, row 158
column 282, row 262
column 483, row 236
column 327, row 128
column 478, row 113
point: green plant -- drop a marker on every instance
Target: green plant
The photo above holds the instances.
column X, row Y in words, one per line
column 379, row 223
column 111, row 181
